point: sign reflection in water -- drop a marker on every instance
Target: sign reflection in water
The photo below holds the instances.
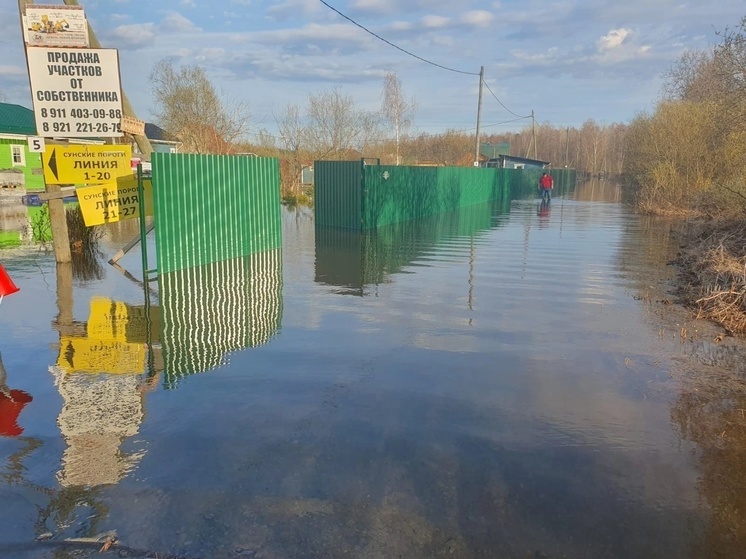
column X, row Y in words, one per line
column 211, row 310
column 106, row 365
column 98, row 374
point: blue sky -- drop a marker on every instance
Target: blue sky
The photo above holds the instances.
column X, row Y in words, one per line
column 567, row 60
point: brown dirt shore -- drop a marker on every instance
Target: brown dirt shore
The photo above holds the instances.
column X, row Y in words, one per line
column 710, row 408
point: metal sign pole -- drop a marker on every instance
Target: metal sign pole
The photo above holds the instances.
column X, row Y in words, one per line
column 143, row 228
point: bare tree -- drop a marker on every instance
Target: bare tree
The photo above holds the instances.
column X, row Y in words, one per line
column 188, row 106
column 692, row 78
column 396, row 109
column 292, row 133
column 335, row 126
column 440, row 149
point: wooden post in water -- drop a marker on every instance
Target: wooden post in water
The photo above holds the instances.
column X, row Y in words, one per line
column 58, row 221
column 65, row 294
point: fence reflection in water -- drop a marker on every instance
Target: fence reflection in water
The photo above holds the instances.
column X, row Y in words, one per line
column 217, row 308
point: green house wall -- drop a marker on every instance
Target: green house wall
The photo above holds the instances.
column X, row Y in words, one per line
column 32, row 171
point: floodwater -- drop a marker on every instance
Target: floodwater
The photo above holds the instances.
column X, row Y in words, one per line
column 503, row 381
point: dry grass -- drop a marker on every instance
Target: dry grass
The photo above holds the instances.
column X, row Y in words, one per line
column 713, row 263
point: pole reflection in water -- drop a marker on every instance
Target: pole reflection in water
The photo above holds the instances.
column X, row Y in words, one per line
column 355, row 260
column 211, row 310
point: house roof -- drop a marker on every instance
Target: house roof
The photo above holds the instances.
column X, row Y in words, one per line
column 524, row 160
column 15, row 119
column 158, row 134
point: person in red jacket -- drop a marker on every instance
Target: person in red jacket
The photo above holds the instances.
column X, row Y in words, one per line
column 546, row 184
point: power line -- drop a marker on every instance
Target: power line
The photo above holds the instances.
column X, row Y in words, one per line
column 501, row 103
column 395, row 46
column 472, row 129
column 506, row 121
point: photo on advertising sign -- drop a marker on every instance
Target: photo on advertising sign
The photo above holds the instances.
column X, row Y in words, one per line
column 76, row 92
column 55, row 26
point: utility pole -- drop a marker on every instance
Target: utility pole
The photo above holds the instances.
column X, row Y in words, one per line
column 57, row 217
column 479, row 115
column 142, row 141
column 533, row 131
column 567, row 146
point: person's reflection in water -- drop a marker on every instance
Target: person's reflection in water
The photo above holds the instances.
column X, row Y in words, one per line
column 543, row 210
column 12, row 403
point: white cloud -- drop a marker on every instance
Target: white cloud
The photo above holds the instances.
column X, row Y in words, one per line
column 401, row 26
column 188, row 3
column 547, row 57
column 211, row 54
column 435, row 22
column 478, row 18
column 9, row 70
column 613, row 39
column 135, row 36
column 177, row 23
column 293, row 8
column 338, row 33
column 373, row 6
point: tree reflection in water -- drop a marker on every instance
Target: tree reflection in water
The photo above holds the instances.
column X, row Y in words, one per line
column 87, row 266
column 711, row 412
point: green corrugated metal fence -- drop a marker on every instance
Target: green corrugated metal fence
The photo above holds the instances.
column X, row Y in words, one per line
column 393, row 194
column 338, row 202
column 211, row 310
column 210, row 208
column 356, row 196
column 524, row 183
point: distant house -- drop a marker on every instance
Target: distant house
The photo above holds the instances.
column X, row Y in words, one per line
column 160, row 140
column 18, row 166
column 306, row 175
column 515, row 162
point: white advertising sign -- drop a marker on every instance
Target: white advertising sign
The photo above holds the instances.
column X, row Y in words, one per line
column 133, row 126
column 76, row 92
column 36, row 144
column 55, row 26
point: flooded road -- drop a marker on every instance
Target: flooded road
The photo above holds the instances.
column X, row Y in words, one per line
column 498, row 382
